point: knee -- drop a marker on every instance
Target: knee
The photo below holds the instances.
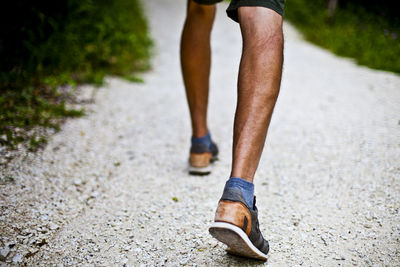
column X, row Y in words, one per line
column 266, row 41
column 261, row 28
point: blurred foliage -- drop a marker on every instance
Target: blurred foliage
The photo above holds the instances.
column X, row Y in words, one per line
column 366, row 30
column 48, row 44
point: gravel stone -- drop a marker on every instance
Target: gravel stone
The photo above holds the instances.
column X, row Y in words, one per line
column 52, row 226
column 4, row 253
column 17, row 258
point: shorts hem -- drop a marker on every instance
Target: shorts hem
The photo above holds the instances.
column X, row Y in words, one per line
column 232, row 10
column 206, row 2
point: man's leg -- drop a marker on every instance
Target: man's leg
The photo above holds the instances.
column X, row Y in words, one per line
column 258, row 86
column 236, row 219
column 195, row 63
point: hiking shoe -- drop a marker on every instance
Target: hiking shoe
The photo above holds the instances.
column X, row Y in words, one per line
column 236, row 225
column 201, row 156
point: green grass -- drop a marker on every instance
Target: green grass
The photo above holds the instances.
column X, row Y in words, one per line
column 22, row 110
column 56, row 45
column 371, row 38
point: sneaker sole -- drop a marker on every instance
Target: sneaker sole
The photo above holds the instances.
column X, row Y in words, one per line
column 237, row 241
column 199, row 170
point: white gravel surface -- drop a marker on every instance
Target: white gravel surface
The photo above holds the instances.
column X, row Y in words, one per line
column 111, row 188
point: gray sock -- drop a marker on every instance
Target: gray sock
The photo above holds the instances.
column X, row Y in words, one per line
column 246, row 187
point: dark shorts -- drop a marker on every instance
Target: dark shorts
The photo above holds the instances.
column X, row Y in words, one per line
column 232, row 11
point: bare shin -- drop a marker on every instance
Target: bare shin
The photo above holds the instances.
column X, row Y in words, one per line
column 196, row 61
column 258, row 86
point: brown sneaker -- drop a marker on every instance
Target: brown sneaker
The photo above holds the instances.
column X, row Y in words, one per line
column 201, row 157
column 236, row 225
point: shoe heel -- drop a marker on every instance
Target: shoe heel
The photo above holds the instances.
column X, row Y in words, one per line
column 234, row 213
column 200, row 160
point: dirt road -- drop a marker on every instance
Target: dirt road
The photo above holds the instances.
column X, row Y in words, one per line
column 112, row 188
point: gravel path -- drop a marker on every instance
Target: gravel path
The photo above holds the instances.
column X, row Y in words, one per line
column 111, row 188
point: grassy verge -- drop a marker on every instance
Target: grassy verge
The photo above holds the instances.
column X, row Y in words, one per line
column 368, row 32
column 50, row 46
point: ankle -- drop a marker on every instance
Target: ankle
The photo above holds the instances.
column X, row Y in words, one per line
column 206, row 140
column 200, row 132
